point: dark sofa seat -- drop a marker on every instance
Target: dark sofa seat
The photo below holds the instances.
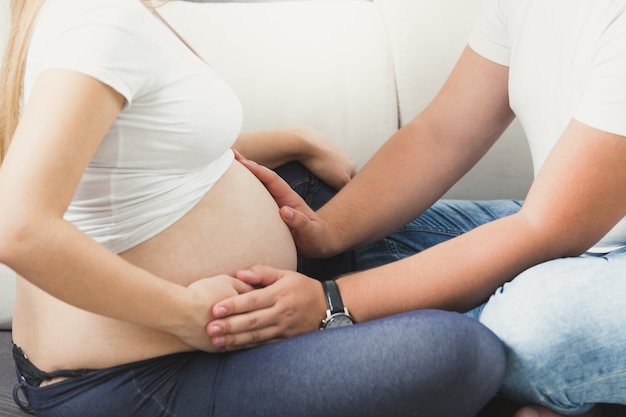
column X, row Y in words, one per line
column 7, row 379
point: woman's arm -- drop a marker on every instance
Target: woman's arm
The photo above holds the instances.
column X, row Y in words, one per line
column 63, row 123
column 273, row 148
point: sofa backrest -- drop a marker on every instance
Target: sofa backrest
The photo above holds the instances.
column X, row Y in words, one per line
column 426, row 39
column 325, row 64
column 356, row 70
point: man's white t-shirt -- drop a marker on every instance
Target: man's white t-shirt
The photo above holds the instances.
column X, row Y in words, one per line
column 171, row 142
column 567, row 60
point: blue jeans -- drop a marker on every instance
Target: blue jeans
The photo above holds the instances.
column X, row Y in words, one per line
column 422, row 363
column 562, row 322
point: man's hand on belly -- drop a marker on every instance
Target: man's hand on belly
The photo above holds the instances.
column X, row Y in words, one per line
column 287, row 304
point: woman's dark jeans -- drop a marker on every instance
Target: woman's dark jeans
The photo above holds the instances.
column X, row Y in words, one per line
column 423, row 363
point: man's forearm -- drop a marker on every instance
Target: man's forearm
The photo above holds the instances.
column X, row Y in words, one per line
column 455, row 275
column 388, row 192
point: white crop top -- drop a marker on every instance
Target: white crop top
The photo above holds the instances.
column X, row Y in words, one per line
column 171, row 142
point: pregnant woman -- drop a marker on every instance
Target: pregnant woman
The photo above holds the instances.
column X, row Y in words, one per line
column 125, row 215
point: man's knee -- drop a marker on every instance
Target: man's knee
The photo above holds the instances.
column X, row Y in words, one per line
column 549, row 339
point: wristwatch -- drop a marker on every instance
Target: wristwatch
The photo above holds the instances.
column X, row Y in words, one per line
column 337, row 315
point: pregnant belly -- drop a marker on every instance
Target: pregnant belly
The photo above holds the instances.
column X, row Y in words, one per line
column 234, row 226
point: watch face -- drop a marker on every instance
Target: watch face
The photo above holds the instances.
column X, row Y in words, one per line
column 338, row 320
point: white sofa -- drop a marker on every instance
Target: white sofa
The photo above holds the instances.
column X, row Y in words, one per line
column 356, row 70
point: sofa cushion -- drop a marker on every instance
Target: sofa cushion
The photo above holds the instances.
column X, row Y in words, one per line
column 427, row 37
column 324, row 64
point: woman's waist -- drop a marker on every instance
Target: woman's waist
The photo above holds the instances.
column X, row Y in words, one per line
column 234, row 226
column 54, row 335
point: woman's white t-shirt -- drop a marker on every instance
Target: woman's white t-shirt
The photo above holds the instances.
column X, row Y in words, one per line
column 171, row 142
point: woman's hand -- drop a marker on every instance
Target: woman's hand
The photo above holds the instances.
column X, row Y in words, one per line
column 204, row 294
column 273, row 148
column 310, row 232
column 324, row 159
column 286, row 304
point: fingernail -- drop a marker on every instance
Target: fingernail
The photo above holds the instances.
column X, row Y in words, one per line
column 244, row 272
column 288, row 214
column 218, row 341
column 215, row 330
column 220, row 311
column 527, row 412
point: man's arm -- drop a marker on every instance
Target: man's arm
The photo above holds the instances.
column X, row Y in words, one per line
column 418, row 164
column 411, row 171
column 576, row 198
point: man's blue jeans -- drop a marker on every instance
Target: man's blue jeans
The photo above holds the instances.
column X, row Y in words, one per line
column 563, row 322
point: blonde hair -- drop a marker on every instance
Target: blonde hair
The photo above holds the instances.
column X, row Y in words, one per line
column 23, row 15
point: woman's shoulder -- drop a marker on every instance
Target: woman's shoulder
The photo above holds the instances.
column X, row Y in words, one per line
column 109, row 40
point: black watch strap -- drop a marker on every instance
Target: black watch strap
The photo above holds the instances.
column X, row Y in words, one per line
column 333, row 297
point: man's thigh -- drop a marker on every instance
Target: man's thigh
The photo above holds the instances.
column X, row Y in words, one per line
column 563, row 325
column 443, row 221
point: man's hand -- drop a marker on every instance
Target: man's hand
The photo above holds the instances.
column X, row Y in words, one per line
column 286, row 304
column 310, row 232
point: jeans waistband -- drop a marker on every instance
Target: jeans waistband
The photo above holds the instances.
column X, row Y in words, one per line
column 29, row 374
column 35, row 376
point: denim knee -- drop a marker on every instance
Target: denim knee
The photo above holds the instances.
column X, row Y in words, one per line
column 561, row 326
column 533, row 371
